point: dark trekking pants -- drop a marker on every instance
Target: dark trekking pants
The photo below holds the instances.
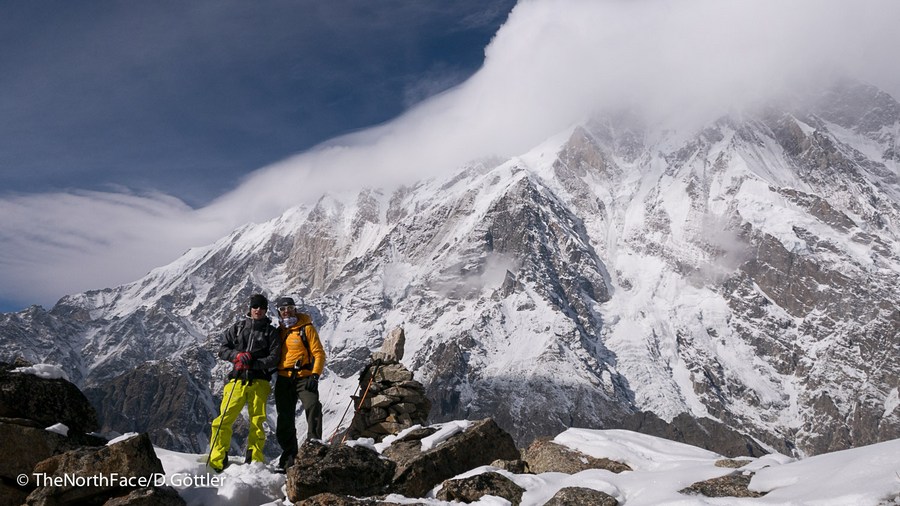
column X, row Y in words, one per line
column 287, row 392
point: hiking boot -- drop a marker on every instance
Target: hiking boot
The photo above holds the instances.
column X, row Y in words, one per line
column 218, row 469
column 249, row 457
column 284, row 462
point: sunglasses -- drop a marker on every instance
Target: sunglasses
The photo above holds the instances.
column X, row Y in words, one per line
column 257, row 306
column 284, row 308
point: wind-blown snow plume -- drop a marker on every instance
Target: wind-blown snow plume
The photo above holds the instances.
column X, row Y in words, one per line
column 552, row 63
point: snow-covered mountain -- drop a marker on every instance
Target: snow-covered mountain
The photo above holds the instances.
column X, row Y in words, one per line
column 746, row 271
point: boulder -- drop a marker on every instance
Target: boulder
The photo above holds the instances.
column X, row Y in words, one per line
column 514, row 466
column 12, row 495
column 31, row 443
column 339, row 469
column 581, row 496
column 46, row 401
column 131, row 458
column 730, row 485
column 473, row 488
column 418, row 472
column 545, row 456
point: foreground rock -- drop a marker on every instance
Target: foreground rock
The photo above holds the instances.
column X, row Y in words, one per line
column 339, row 469
column 405, row 467
column 419, row 471
column 473, row 488
column 580, row 496
column 66, row 465
column 545, row 456
column 115, row 471
column 730, row 485
column 25, row 443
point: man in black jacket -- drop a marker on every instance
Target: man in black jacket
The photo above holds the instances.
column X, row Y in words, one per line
column 253, row 346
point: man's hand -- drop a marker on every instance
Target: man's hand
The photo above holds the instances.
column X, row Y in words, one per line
column 312, row 384
column 242, row 361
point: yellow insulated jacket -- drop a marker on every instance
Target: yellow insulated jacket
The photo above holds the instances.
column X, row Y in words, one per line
column 298, row 359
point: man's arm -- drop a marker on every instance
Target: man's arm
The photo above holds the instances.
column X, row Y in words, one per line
column 228, row 342
column 316, row 348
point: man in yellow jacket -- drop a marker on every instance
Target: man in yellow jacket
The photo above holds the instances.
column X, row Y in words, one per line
column 302, row 362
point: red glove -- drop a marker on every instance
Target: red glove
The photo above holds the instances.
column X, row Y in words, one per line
column 242, row 361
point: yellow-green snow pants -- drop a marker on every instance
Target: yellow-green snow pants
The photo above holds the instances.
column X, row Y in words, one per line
column 235, row 394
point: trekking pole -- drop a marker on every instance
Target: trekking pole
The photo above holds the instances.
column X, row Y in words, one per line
column 216, row 436
column 363, row 398
column 334, row 434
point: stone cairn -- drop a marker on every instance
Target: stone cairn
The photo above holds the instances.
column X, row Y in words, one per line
column 391, row 399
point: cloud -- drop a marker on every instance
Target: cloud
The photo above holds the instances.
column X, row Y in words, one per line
column 556, row 61
column 551, row 64
column 61, row 243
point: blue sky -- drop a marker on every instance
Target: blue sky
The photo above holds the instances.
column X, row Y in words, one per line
column 187, row 97
column 132, row 131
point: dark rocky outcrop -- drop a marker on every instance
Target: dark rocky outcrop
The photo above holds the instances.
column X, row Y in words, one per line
column 107, row 474
column 339, row 469
column 700, row 432
column 580, row 496
column 545, row 456
column 418, row 471
column 25, row 443
column 46, row 401
column 475, row 487
column 730, row 485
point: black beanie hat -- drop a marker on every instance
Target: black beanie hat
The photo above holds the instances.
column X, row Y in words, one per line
column 259, row 300
column 284, row 301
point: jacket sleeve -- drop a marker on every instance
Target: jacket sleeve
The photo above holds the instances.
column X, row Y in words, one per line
column 228, row 343
column 316, row 348
column 273, row 352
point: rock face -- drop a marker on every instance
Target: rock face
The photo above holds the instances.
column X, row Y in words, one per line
column 156, row 397
column 700, row 432
column 391, row 400
column 26, row 442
